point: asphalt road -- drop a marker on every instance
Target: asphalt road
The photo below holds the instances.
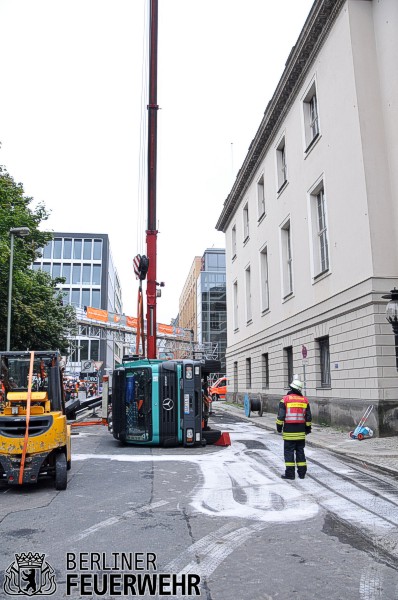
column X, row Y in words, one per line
column 218, row 519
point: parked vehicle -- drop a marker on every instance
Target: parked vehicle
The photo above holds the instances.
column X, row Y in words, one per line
column 218, row 390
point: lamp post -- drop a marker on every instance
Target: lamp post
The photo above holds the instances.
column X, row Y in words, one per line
column 14, row 232
column 392, row 317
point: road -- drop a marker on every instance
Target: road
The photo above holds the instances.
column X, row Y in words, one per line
column 217, row 518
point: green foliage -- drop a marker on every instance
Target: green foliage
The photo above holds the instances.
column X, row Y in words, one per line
column 39, row 320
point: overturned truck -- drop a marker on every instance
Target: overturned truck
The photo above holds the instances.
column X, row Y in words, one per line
column 162, row 403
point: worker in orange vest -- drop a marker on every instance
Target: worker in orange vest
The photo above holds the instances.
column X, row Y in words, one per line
column 294, row 420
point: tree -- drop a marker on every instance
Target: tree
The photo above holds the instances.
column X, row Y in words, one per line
column 39, row 321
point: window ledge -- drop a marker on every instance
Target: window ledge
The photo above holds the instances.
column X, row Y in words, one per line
column 287, row 297
column 328, row 387
column 282, row 188
column 312, row 144
column 321, row 276
column 261, row 218
column 234, row 257
column 249, row 322
column 265, row 311
column 236, row 330
column 246, row 240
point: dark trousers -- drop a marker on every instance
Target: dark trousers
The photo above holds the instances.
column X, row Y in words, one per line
column 295, row 456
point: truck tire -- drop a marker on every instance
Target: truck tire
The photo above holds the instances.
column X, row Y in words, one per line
column 61, row 477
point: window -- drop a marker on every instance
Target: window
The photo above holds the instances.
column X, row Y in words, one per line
column 324, row 355
column 86, row 279
column 83, row 350
column 288, row 365
column 75, row 298
column 281, row 164
column 287, row 265
column 86, row 298
column 260, row 197
column 94, row 350
column 47, row 250
column 248, row 373
column 322, row 232
column 87, row 249
column 236, row 322
column 96, row 274
column 76, row 274
column 265, row 370
column 56, row 270
column 77, row 249
column 66, row 273
column 97, row 253
column 264, row 279
column 57, row 252
column 311, row 119
column 320, row 245
column 248, row 295
column 96, row 299
column 65, row 295
column 235, row 376
column 246, row 223
column 233, row 242
column 67, row 253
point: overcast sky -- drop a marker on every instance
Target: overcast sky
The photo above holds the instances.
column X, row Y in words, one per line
column 73, row 74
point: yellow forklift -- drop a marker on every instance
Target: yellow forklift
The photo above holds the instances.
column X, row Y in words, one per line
column 35, row 439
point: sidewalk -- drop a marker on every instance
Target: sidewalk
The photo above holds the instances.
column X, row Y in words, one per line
column 379, row 453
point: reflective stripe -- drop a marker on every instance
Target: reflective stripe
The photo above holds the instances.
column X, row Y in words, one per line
column 293, row 436
column 289, row 464
column 303, row 464
column 278, row 422
column 297, row 404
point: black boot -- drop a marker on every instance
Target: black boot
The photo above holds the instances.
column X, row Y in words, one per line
column 287, row 477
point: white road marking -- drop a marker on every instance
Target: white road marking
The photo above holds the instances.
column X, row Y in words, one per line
column 115, row 520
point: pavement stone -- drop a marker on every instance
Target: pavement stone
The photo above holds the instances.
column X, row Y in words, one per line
column 375, row 452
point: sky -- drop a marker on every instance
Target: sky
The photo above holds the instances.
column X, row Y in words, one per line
column 73, row 118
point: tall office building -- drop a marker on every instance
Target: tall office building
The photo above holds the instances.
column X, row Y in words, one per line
column 85, row 261
column 211, row 314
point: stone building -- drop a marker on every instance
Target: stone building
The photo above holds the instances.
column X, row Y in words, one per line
column 311, row 224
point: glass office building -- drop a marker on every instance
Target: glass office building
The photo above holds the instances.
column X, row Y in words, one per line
column 85, row 261
column 212, row 302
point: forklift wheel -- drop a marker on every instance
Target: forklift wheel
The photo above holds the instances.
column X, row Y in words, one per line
column 211, row 435
column 360, row 436
column 61, row 478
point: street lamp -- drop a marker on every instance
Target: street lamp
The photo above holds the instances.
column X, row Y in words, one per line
column 14, row 232
column 392, row 317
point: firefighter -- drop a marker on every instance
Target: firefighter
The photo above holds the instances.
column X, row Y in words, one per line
column 294, row 419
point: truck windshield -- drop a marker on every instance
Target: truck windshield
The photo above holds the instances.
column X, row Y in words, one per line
column 139, row 405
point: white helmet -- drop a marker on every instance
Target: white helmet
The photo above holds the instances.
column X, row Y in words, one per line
column 297, row 385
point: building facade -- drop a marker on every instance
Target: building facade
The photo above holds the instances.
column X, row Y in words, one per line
column 85, row 261
column 211, row 304
column 311, row 224
column 187, row 305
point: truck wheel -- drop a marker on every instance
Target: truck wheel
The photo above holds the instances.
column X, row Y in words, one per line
column 61, row 478
column 68, row 465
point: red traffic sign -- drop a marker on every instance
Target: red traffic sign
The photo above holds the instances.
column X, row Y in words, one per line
column 303, row 351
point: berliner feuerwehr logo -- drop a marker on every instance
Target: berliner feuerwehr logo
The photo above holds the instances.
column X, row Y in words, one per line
column 29, row 575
